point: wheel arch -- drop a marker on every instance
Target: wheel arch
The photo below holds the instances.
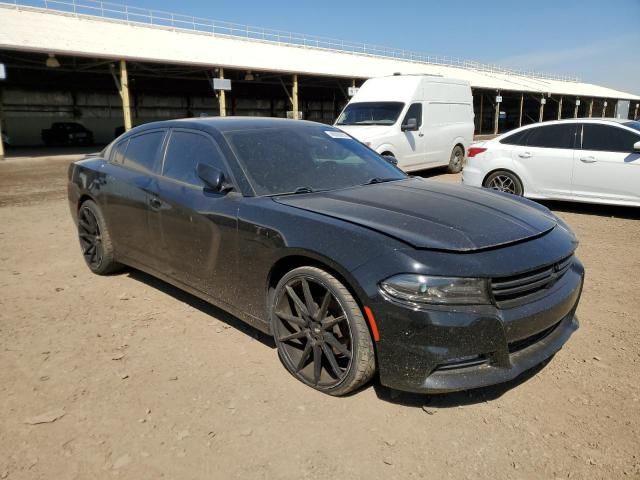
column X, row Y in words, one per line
column 303, row 258
column 83, row 198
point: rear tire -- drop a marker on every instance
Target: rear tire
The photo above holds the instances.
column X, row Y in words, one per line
column 95, row 240
column 320, row 332
column 504, row 181
column 456, row 159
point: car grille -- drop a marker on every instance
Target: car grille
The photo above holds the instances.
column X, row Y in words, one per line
column 510, row 291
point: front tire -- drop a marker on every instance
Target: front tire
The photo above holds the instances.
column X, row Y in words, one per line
column 95, row 240
column 320, row 332
column 504, row 181
column 456, row 159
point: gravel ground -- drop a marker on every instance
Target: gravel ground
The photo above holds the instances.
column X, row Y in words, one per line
column 126, row 376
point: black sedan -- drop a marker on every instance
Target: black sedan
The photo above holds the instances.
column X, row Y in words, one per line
column 351, row 265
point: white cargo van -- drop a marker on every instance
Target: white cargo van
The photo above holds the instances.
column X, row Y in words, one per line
column 423, row 121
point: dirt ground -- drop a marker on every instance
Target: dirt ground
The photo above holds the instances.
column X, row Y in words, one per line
column 148, row 382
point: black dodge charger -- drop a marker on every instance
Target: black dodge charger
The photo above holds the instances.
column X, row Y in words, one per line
column 352, row 266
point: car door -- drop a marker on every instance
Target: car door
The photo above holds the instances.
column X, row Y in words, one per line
column 606, row 168
column 545, row 159
column 131, row 176
column 411, row 144
column 198, row 226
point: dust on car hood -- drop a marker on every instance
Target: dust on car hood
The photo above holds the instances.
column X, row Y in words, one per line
column 432, row 215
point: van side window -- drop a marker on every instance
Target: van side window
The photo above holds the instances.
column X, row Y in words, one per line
column 415, row 111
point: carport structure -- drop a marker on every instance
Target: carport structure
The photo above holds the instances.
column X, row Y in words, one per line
column 110, row 65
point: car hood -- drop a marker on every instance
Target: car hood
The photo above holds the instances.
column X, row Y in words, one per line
column 365, row 132
column 432, row 215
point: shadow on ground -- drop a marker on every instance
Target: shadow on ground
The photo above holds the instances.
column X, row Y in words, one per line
column 615, row 211
column 454, row 399
column 203, row 306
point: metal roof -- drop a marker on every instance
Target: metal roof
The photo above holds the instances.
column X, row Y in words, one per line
column 109, row 30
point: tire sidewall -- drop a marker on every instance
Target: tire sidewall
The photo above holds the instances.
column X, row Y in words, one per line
column 514, row 178
column 326, row 280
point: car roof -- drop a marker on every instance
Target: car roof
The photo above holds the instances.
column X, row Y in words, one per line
column 227, row 124
column 601, row 120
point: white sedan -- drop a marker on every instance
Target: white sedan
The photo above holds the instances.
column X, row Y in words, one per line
column 584, row 159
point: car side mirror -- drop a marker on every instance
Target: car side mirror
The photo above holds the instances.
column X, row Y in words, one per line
column 411, row 125
column 212, row 177
column 636, row 147
column 391, row 159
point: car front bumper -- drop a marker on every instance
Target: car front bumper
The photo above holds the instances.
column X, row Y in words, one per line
column 437, row 350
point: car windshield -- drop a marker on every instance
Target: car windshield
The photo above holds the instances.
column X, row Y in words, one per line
column 302, row 159
column 371, row 113
column 633, row 124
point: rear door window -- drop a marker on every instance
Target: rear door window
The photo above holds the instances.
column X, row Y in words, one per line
column 142, row 151
column 553, row 136
column 117, row 153
column 607, row 138
column 518, row 138
column 415, row 111
column 185, row 150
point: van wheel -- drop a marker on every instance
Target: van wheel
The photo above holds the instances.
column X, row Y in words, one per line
column 455, row 161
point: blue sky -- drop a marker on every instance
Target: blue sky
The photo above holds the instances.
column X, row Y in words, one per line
column 599, row 41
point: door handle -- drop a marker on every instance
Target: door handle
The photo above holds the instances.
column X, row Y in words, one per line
column 155, row 202
column 588, row 159
column 524, row 155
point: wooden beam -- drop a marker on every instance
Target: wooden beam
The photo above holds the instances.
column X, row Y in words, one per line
column 521, row 108
column 591, row 108
column 496, row 115
column 560, row 109
column 222, row 98
column 541, row 110
column 124, row 94
column 294, row 97
column 575, row 110
column 481, row 105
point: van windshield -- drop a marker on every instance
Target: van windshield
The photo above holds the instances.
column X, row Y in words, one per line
column 371, row 113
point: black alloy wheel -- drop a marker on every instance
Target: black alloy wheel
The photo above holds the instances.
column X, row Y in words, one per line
column 95, row 240
column 321, row 335
column 90, row 239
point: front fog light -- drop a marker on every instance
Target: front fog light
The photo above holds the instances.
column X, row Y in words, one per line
column 440, row 290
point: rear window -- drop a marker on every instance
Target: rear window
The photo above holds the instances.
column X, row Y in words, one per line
column 518, row 138
column 142, row 151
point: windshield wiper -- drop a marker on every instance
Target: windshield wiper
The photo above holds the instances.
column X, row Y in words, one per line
column 373, row 180
column 297, row 191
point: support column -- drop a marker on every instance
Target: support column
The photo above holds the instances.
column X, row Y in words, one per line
column 560, row 109
column 575, row 110
column 496, row 115
column 521, row 108
column 124, row 94
column 294, row 97
column 481, row 113
column 635, row 115
column 604, row 109
column 591, row 108
column 2, row 144
column 222, row 98
column 542, row 102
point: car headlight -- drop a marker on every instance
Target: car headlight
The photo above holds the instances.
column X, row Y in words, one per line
column 438, row 290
